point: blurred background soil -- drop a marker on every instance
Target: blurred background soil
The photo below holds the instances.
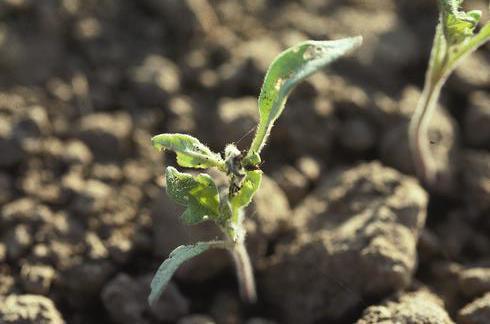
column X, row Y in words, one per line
column 341, row 231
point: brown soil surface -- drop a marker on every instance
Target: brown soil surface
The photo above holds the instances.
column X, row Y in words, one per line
column 341, row 231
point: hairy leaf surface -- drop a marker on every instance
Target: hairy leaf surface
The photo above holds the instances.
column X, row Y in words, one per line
column 458, row 25
column 455, row 38
column 198, row 193
column 249, row 187
column 191, row 153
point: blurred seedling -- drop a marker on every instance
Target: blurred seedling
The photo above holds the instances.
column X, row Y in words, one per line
column 199, row 193
column 454, row 40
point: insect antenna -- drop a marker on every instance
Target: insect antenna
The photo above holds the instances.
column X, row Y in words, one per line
column 246, row 134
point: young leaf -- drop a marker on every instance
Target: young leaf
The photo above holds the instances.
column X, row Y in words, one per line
column 190, row 152
column 198, row 193
column 251, row 160
column 457, row 39
column 250, row 185
column 458, row 25
column 175, row 259
column 286, row 71
column 471, row 45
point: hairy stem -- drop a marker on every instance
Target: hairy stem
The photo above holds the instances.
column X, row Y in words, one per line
column 245, row 275
column 258, row 141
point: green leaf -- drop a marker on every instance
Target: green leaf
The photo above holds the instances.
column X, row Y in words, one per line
column 286, row 71
column 250, row 185
column 455, row 39
column 472, row 44
column 190, row 152
column 178, row 256
column 252, row 160
column 458, row 25
column 198, row 193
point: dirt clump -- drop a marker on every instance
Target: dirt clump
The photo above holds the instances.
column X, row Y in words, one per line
column 477, row 116
column 29, row 309
column 84, row 85
column 238, row 117
column 475, row 169
column 125, row 298
column 106, row 135
column 418, row 307
column 196, row 319
column 476, row 312
column 359, row 224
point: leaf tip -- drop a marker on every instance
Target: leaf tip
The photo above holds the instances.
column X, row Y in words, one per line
column 350, row 44
column 155, row 142
column 325, row 52
column 170, row 170
column 151, row 300
column 357, row 41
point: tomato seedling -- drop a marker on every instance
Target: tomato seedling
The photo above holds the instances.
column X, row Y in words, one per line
column 455, row 39
column 200, row 195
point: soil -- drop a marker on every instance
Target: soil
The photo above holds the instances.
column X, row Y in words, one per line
column 341, row 231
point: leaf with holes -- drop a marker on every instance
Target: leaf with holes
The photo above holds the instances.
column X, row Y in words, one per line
column 250, row 185
column 191, row 153
column 458, row 25
column 198, row 193
column 455, row 37
column 286, row 71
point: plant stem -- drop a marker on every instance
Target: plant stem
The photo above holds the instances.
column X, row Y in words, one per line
column 245, row 275
column 418, row 132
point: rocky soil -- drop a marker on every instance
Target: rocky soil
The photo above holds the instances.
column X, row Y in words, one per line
column 340, row 232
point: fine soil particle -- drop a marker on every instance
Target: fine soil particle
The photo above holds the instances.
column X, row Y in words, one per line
column 28, row 309
column 336, row 233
